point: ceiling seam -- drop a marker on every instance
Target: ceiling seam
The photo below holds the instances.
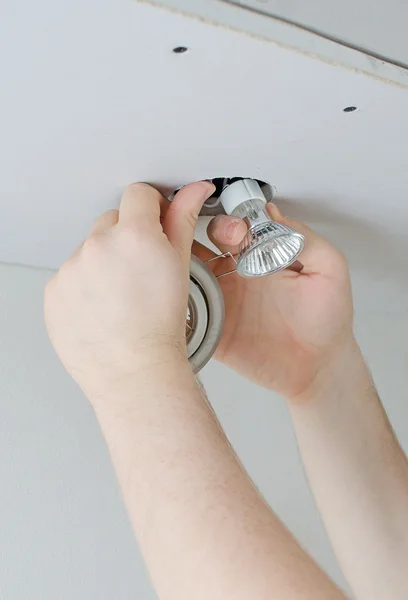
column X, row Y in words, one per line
column 264, row 38
column 330, row 38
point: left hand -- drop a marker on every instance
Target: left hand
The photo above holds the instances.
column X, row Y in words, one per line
column 284, row 331
column 119, row 304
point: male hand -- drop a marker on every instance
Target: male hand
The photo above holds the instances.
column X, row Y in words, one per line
column 283, row 330
column 118, row 306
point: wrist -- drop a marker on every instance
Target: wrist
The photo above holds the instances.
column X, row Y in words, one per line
column 342, row 367
column 138, row 379
column 143, row 402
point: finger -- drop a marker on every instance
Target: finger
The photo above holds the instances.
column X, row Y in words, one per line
column 182, row 215
column 318, row 256
column 105, row 222
column 226, row 233
column 141, row 203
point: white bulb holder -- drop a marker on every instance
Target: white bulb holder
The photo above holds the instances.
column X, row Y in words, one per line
column 268, row 246
column 240, row 191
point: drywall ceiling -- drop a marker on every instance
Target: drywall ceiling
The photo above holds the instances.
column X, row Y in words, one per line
column 377, row 27
column 236, row 15
column 93, row 98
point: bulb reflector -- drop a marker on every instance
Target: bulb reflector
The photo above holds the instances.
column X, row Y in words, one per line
column 268, row 248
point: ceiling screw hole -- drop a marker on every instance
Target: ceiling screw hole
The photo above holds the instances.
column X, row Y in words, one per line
column 180, row 50
column 349, row 109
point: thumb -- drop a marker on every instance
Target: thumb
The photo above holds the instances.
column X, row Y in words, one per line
column 226, row 233
column 182, row 215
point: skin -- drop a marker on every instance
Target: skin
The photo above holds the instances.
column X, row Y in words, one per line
column 116, row 314
column 299, row 327
column 297, row 322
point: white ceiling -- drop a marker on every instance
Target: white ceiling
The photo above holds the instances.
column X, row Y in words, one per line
column 93, row 98
column 379, row 27
column 260, row 23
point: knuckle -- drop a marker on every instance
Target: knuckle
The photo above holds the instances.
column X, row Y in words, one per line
column 192, row 219
column 136, row 187
column 92, row 251
column 135, row 238
column 112, row 213
column 92, row 244
column 129, row 235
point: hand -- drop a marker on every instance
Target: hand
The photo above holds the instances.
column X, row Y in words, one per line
column 119, row 304
column 281, row 331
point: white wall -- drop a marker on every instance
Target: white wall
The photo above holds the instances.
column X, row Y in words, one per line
column 63, row 529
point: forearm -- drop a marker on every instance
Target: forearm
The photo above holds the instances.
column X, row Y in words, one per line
column 359, row 476
column 203, row 528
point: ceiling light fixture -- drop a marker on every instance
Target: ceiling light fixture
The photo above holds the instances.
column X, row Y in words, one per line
column 268, row 246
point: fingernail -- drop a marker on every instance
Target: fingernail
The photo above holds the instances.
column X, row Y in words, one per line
column 209, row 189
column 231, row 229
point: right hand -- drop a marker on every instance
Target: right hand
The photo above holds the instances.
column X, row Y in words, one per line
column 282, row 331
column 116, row 309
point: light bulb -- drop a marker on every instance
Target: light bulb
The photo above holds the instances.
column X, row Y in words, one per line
column 268, row 246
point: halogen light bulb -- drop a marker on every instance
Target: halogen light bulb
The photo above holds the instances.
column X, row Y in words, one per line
column 268, row 246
